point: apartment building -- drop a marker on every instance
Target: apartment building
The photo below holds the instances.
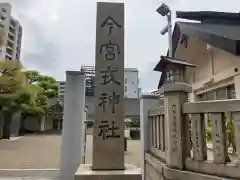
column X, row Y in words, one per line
column 13, row 34
column 131, row 82
column 62, row 89
column 131, row 87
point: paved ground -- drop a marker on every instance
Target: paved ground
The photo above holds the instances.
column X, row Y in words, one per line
column 35, row 151
column 43, row 152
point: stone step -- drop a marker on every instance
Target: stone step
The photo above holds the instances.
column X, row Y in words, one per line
column 29, row 178
column 29, row 174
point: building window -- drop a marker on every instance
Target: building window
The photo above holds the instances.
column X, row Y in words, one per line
column 12, row 30
column 12, row 23
column 221, row 93
column 202, row 97
column 9, row 44
column 11, row 37
column 210, row 96
column 8, row 57
column 231, row 94
column 4, row 10
column 2, row 18
column 132, row 82
column 125, row 80
column 125, row 88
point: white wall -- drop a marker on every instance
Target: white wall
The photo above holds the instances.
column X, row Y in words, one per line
column 131, row 83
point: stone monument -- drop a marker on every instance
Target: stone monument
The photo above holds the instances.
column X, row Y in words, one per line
column 108, row 135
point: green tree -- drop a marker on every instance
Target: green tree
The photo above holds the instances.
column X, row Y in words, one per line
column 27, row 92
column 230, row 132
column 13, row 92
column 48, row 84
column 43, row 88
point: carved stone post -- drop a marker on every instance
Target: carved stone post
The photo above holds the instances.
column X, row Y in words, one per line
column 177, row 126
column 174, row 85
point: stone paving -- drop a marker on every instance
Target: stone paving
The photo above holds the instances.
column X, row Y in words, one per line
column 43, row 152
column 31, row 152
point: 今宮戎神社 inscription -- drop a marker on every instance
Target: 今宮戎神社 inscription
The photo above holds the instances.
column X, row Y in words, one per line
column 110, row 50
column 110, row 23
column 108, row 75
column 106, row 99
column 108, row 139
column 108, row 129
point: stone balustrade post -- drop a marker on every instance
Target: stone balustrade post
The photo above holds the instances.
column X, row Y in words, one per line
column 177, row 131
column 146, row 103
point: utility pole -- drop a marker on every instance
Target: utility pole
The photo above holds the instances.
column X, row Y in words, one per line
column 164, row 10
column 169, row 19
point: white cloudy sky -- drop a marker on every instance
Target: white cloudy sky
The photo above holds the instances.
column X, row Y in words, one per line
column 59, row 35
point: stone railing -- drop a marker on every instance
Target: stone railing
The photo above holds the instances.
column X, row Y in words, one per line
column 174, row 138
column 157, row 132
column 219, row 162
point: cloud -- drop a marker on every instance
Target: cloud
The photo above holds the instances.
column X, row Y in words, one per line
column 59, row 35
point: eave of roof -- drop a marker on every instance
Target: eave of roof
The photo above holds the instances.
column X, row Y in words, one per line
column 169, row 60
column 226, row 37
column 210, row 16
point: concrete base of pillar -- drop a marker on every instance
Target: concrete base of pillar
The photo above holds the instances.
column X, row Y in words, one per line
column 85, row 172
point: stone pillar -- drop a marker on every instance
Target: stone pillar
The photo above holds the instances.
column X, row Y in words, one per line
column 74, row 105
column 146, row 102
column 108, row 133
column 174, row 96
column 108, row 130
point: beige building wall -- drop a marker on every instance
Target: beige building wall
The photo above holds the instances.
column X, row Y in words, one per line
column 215, row 68
column 195, row 53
